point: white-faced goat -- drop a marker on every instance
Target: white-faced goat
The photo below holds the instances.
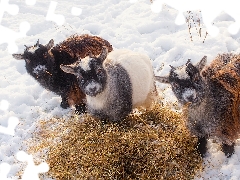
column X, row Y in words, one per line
column 115, row 83
column 43, row 64
column 211, row 97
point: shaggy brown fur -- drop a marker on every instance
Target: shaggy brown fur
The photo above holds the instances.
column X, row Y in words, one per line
column 210, row 95
column 225, row 69
column 75, row 96
column 79, row 46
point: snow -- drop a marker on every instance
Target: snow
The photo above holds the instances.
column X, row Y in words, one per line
column 39, row 68
column 93, row 86
column 125, row 24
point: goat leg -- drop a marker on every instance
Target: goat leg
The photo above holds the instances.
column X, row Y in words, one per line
column 202, row 146
column 228, row 149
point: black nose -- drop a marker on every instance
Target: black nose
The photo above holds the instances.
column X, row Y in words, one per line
column 191, row 98
column 92, row 89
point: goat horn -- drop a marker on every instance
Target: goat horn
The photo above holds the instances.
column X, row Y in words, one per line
column 189, row 60
column 104, row 53
column 172, row 67
column 37, row 44
column 26, row 47
column 90, row 54
column 50, row 44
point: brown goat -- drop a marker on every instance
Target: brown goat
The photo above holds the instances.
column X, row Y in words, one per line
column 225, row 69
column 210, row 95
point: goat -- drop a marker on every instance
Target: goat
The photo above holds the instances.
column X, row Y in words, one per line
column 114, row 83
column 210, row 95
column 43, row 64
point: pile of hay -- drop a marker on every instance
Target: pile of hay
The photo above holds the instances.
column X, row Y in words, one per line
column 149, row 144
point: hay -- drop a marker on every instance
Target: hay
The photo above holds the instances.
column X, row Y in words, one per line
column 149, row 144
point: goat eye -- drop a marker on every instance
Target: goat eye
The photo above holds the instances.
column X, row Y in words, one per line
column 196, row 78
column 44, row 55
column 99, row 70
column 79, row 77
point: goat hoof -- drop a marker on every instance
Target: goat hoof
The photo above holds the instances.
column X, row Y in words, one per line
column 228, row 150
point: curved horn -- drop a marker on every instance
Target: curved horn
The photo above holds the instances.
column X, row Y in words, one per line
column 188, row 61
column 103, row 54
column 50, row 44
column 26, row 47
column 37, row 44
column 173, row 68
column 90, row 54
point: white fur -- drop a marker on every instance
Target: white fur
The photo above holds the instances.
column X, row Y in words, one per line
column 181, row 72
column 93, row 85
column 135, row 64
column 140, row 71
column 84, row 63
column 39, row 68
column 32, row 49
column 188, row 93
column 98, row 102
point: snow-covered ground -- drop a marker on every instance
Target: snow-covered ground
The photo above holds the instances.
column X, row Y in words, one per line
column 125, row 25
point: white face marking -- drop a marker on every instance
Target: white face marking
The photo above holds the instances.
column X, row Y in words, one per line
column 93, row 87
column 181, row 72
column 39, row 68
column 32, row 49
column 188, row 93
column 84, row 63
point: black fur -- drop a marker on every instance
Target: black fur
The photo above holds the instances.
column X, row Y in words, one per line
column 51, row 76
column 46, row 61
column 228, row 149
column 121, row 100
column 202, row 146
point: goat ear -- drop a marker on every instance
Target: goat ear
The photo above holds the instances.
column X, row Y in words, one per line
column 18, row 56
column 69, row 69
column 162, row 79
column 104, row 53
column 202, row 63
column 50, row 44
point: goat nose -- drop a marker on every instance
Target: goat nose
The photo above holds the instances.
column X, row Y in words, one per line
column 190, row 98
column 93, row 89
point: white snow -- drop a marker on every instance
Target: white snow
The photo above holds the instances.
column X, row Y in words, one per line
column 39, row 68
column 125, row 24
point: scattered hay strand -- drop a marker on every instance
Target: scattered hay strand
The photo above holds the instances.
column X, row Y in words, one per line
column 148, row 144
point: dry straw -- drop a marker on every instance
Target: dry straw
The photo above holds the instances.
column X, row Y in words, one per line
column 148, row 144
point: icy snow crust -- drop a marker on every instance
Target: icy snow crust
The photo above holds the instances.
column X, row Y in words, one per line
column 125, row 25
